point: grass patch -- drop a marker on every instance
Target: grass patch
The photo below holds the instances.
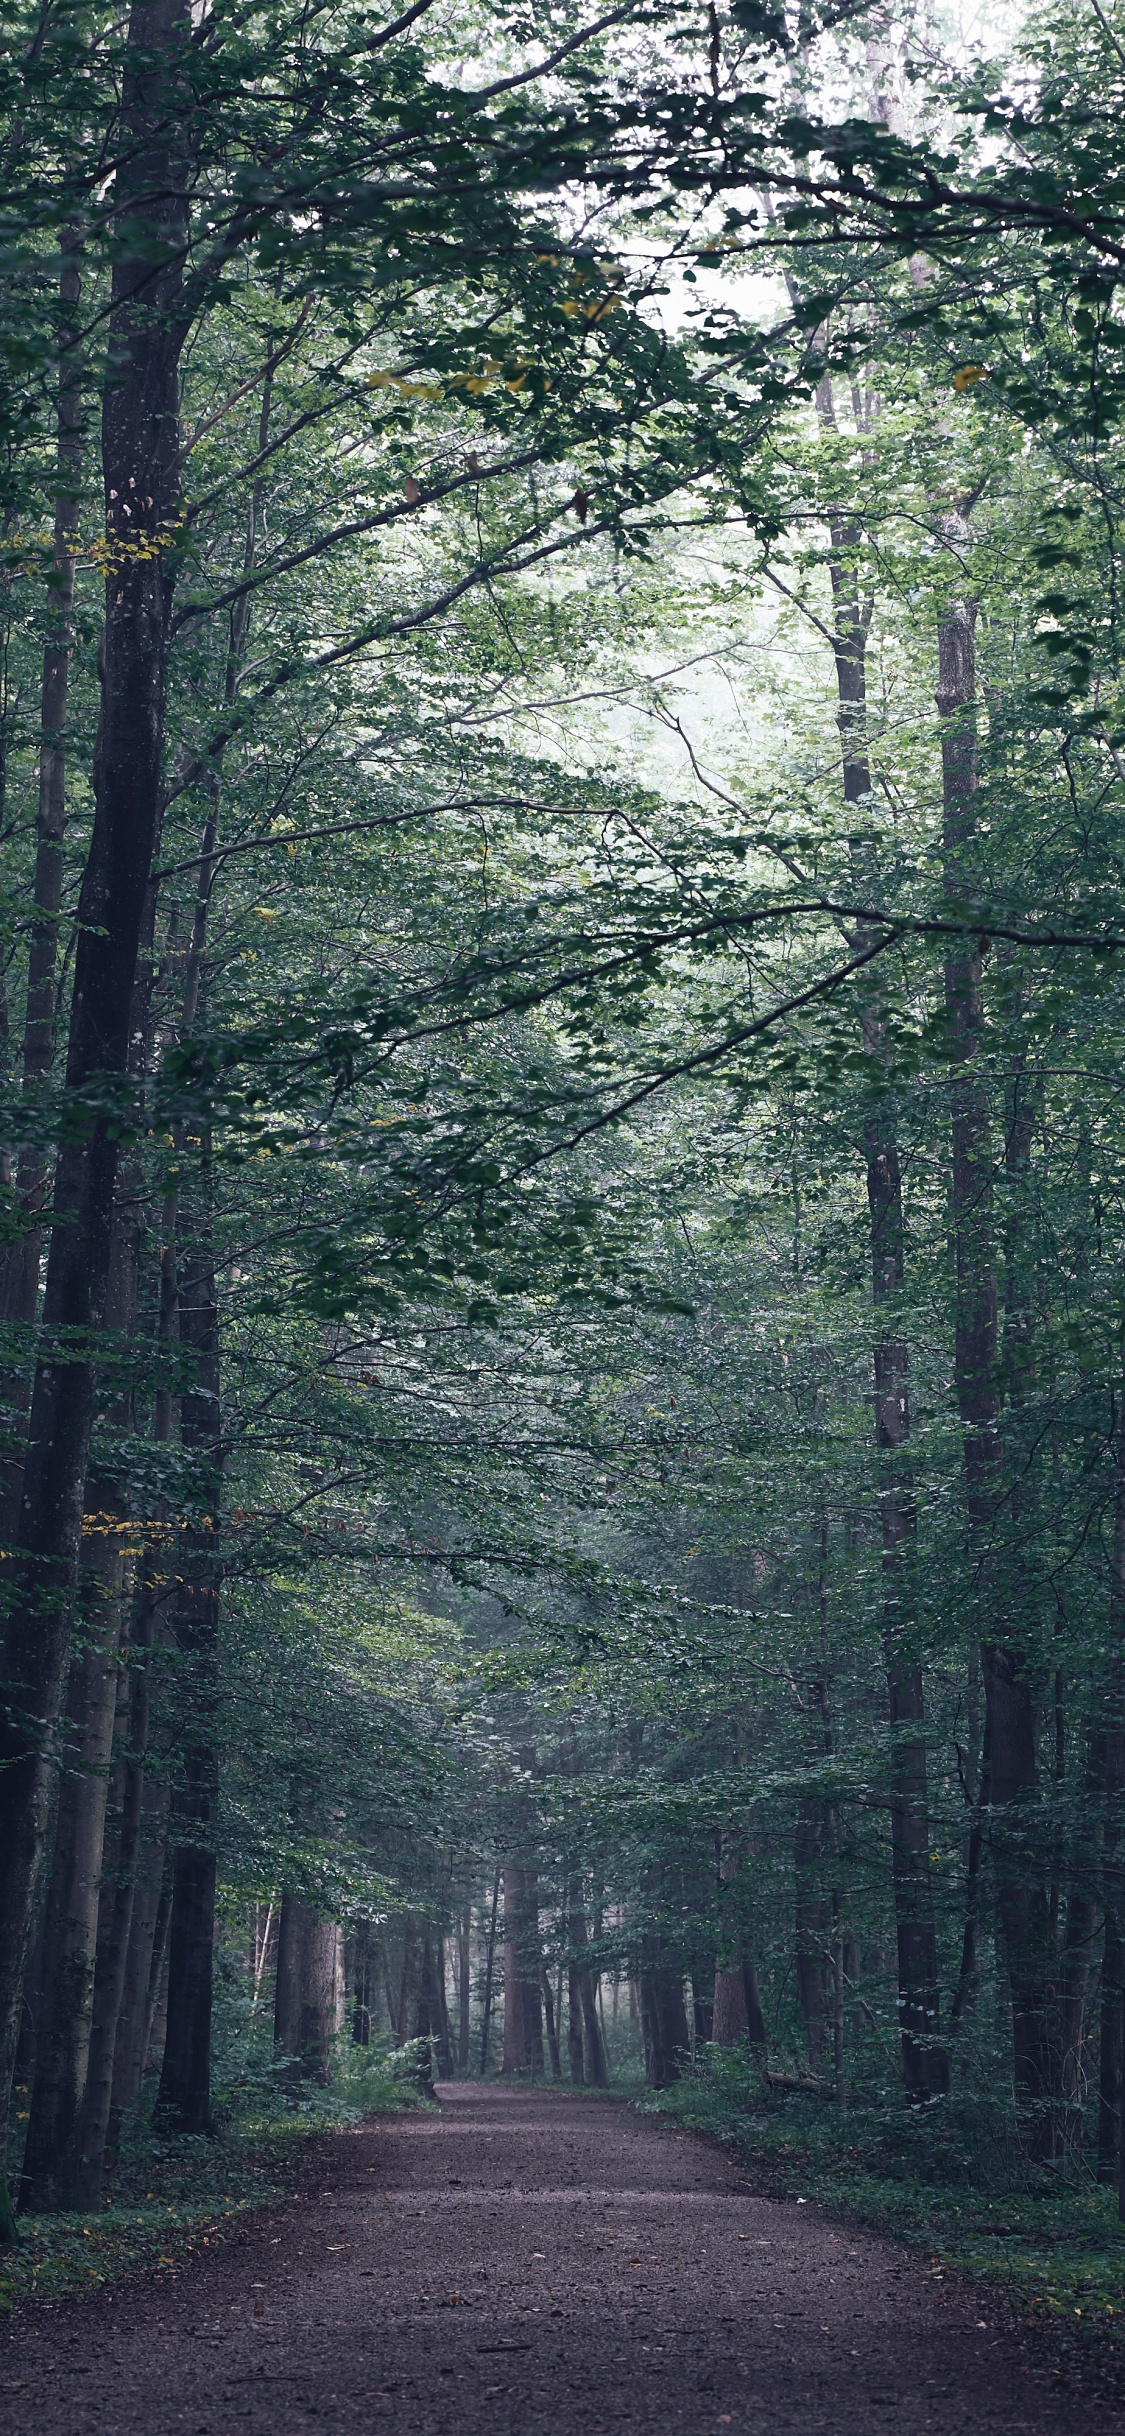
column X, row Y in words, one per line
column 945, row 2178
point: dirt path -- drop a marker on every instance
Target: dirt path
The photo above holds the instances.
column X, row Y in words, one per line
column 530, row 2262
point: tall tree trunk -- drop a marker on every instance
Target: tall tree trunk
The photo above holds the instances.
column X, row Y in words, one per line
column 140, row 441
column 1111, row 2069
column 810, row 1853
column 144, row 1961
column 514, row 2054
column 584, row 1986
column 116, row 2064
column 552, row 2027
column 574, row 2026
column 111, row 1970
column 968, row 1975
column 489, row 1976
column 523, row 2003
column 307, row 1996
column 19, row 1269
column 287, row 1985
column 1007, row 1666
column 185, row 2080
column 925, row 2062
column 531, row 1969
column 50, row 2156
column 464, row 1988
column 114, row 1988
column 413, row 2011
column 52, row 2168
column 439, row 2009
column 736, row 2006
column 361, row 1984
column 663, row 2015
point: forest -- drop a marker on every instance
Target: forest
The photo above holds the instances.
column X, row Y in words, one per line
column 562, row 1192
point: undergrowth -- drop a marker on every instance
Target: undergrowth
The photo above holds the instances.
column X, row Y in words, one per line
column 946, row 2177
column 174, row 2196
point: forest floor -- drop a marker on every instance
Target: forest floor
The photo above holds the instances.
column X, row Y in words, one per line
column 517, row 2260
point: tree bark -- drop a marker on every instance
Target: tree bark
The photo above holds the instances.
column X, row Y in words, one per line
column 52, row 2168
column 464, row 1988
column 1008, row 1668
column 583, row 1986
column 111, row 1970
column 143, row 1961
column 925, row 2062
column 307, row 1994
column 574, row 2028
column 736, row 2005
column 51, row 2158
column 514, row 2054
column 1111, row 2068
column 523, row 2003
column 185, row 2080
column 439, row 2009
column 552, row 2028
column 19, row 1269
column 140, row 440
column 812, row 1922
column 489, row 1975
column 664, row 2021
column 361, row 1984
column 531, row 1966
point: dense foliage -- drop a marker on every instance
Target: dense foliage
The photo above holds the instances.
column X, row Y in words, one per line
column 562, row 884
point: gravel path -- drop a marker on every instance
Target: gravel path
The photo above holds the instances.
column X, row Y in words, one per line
column 528, row 2262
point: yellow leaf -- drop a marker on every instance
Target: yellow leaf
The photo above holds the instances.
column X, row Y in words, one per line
column 969, row 373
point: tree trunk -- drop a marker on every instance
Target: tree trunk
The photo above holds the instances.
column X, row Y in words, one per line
column 1007, row 1667
column 363, row 1983
column 287, row 1984
column 702, row 2011
column 19, row 1269
column 143, row 1961
column 185, row 2080
column 531, row 1968
column 1111, row 2069
column 51, row 2166
column 810, row 1857
column 411, row 2005
column 439, row 2009
column 523, row 2003
column 925, row 2062
column 663, row 2016
column 320, row 1997
column 156, row 1999
column 110, row 1976
column 140, row 441
column 968, row 1972
column 552, row 2030
column 584, row 1983
column 489, row 1975
column 574, row 2025
column 464, row 1988
column 307, row 1993
column 53, row 2172
column 736, row 2007
column 514, row 2054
